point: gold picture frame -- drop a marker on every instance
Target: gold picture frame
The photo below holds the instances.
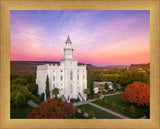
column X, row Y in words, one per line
column 152, row 5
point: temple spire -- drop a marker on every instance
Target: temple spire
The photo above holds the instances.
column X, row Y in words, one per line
column 68, row 50
column 68, row 40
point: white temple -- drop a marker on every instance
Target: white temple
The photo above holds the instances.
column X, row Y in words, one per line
column 69, row 77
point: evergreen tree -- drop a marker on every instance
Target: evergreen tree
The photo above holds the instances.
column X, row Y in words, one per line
column 90, row 85
column 47, row 88
column 106, row 86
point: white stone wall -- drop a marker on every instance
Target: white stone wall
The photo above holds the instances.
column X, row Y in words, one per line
column 60, row 75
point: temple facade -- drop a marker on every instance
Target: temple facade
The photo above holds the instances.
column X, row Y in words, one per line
column 69, row 77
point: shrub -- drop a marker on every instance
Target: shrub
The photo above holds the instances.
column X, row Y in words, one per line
column 122, row 108
column 132, row 109
column 105, row 101
column 82, row 110
column 91, row 114
column 113, row 103
column 53, row 108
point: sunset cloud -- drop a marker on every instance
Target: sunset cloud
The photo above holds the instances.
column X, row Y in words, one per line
column 98, row 37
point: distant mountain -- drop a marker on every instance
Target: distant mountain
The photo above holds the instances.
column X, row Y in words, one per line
column 133, row 66
column 27, row 66
column 117, row 66
column 31, row 66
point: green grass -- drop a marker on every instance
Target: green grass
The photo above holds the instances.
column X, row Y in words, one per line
column 99, row 114
column 119, row 103
column 112, row 92
column 34, row 100
column 80, row 116
column 20, row 113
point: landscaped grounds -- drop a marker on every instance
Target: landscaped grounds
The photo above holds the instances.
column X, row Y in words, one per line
column 115, row 103
column 99, row 114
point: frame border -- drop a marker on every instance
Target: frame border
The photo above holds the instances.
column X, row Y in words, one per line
column 152, row 5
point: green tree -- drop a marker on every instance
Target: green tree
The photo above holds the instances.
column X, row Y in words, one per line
column 132, row 109
column 47, row 88
column 20, row 100
column 105, row 101
column 86, row 91
column 114, row 85
column 101, row 88
column 106, row 86
column 91, row 114
column 34, row 88
column 55, row 92
column 90, row 85
column 41, row 97
column 82, row 111
column 113, row 103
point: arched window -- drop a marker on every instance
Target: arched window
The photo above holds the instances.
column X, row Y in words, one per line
column 71, row 75
column 83, row 77
column 53, row 78
column 77, row 77
column 61, row 78
column 71, row 89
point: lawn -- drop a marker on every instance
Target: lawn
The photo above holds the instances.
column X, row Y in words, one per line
column 20, row 113
column 112, row 92
column 80, row 116
column 119, row 103
column 99, row 114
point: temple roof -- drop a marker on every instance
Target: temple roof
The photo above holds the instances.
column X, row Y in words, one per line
column 68, row 39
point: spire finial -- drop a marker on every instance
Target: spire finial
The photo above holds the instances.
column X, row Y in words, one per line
column 68, row 39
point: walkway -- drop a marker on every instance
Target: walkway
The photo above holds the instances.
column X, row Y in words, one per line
column 81, row 103
column 32, row 104
column 104, row 109
column 106, row 95
column 109, row 111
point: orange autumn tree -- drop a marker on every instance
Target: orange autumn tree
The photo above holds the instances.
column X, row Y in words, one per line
column 53, row 108
column 138, row 93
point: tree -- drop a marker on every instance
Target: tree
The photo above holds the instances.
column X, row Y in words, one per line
column 55, row 92
column 41, row 97
column 106, row 86
column 86, row 91
column 101, row 88
column 82, row 111
column 132, row 109
column 53, row 108
column 90, row 85
column 114, row 85
column 138, row 93
column 47, row 88
column 105, row 101
column 19, row 95
column 113, row 103
column 29, row 86
column 91, row 114
column 34, row 88
column 20, row 100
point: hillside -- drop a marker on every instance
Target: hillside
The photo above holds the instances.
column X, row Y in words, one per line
column 31, row 66
column 133, row 66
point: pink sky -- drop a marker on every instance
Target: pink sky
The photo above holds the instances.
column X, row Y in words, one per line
column 108, row 38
